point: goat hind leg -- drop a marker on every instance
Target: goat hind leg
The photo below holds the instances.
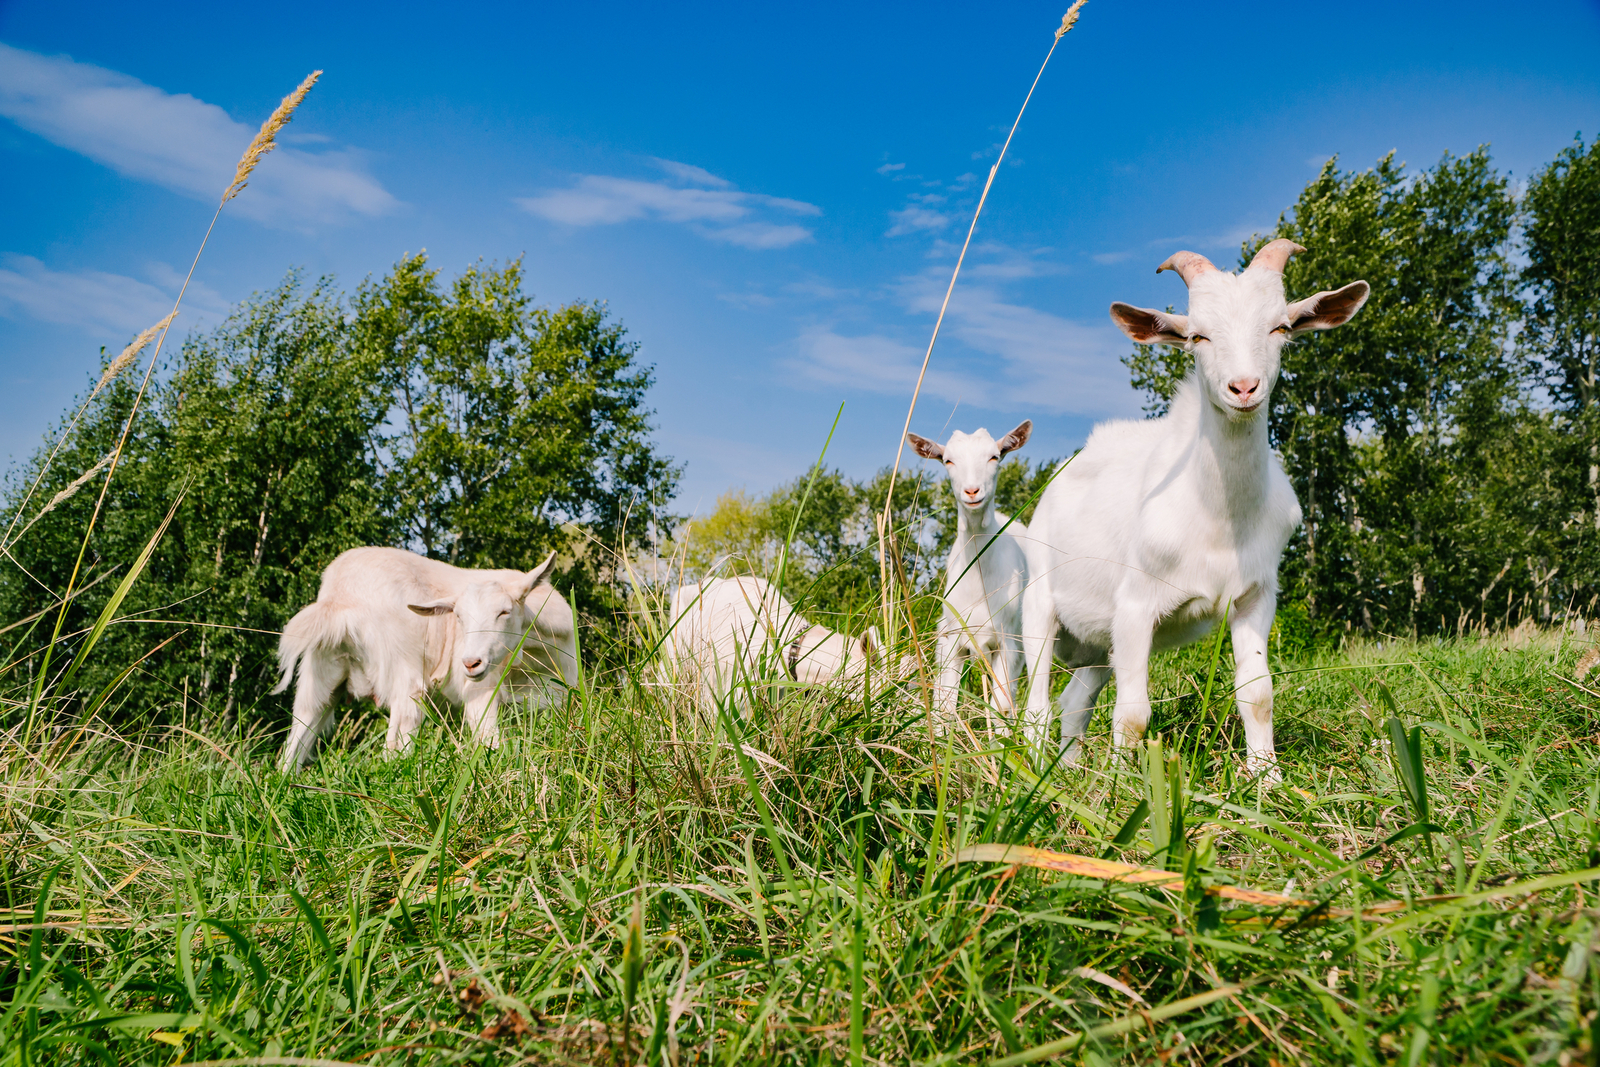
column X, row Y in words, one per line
column 1077, row 705
column 319, row 677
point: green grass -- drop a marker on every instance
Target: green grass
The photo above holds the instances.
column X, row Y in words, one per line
column 618, row 884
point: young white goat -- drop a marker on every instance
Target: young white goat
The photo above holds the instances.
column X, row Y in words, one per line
column 728, row 632
column 1158, row 530
column 987, row 569
column 391, row 624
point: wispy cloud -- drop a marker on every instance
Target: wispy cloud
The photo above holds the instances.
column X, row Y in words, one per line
column 1006, row 355
column 711, row 206
column 916, row 218
column 178, row 141
column 109, row 307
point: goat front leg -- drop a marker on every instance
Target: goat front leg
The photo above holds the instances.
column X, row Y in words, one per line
column 481, row 714
column 1252, row 682
column 950, row 654
column 1039, row 628
column 405, row 719
column 1132, row 633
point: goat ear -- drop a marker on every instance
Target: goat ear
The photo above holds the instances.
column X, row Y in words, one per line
column 1150, row 327
column 925, row 448
column 1016, row 438
column 537, row 575
column 1327, row 309
column 870, row 641
column 434, row 607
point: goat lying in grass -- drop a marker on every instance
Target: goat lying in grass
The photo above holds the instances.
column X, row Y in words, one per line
column 986, row 571
column 391, row 624
column 729, row 632
column 1160, row 529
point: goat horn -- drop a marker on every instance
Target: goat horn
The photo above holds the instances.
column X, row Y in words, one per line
column 1189, row 265
column 1274, row 255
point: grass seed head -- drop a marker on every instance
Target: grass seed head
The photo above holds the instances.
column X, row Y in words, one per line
column 1069, row 19
column 129, row 354
column 267, row 139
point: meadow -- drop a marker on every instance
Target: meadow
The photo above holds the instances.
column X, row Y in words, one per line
column 622, row 883
column 631, row 878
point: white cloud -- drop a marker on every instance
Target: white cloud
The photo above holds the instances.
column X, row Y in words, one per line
column 110, row 307
column 719, row 213
column 890, row 168
column 993, row 354
column 688, row 172
column 179, row 142
column 916, row 218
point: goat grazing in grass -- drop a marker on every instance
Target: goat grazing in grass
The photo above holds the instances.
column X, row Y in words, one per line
column 729, row 632
column 1158, row 530
column 987, row 569
column 391, row 624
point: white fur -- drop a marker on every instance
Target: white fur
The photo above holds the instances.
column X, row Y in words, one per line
column 392, row 624
column 986, row 571
column 1159, row 529
column 729, row 632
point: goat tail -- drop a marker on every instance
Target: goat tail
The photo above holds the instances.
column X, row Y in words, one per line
column 315, row 627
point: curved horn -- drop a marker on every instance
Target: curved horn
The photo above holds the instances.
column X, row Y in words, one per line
column 1274, row 255
column 1189, row 265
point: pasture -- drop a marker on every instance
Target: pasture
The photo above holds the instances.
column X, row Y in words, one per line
column 619, row 884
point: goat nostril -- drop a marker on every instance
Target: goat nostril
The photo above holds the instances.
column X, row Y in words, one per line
column 472, row 664
column 1243, row 387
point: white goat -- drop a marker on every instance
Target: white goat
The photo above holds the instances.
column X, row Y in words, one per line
column 393, row 624
column 987, row 570
column 728, row 632
column 1158, row 530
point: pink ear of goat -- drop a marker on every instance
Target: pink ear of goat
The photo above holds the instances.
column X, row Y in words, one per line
column 1189, row 265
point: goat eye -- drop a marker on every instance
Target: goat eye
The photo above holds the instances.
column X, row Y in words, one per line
column 504, row 614
column 1197, row 338
column 1281, row 330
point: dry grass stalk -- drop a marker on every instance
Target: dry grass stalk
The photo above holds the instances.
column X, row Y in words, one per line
column 78, row 483
column 127, row 355
column 267, row 139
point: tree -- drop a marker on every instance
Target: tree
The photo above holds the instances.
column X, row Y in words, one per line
column 1561, row 340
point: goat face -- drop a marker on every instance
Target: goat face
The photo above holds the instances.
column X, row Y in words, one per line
column 1237, row 324
column 491, row 617
column 973, row 462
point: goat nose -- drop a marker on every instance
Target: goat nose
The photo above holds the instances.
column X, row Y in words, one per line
column 1244, row 388
column 972, row 490
column 472, row 664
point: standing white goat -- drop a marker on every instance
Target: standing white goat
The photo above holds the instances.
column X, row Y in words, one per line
column 987, row 569
column 393, row 624
column 725, row 631
column 1158, row 530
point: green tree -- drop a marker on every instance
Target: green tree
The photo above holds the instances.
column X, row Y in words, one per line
column 1561, row 340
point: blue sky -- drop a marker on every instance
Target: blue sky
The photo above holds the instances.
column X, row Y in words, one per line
column 769, row 196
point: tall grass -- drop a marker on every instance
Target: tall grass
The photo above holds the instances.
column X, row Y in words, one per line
column 632, row 880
